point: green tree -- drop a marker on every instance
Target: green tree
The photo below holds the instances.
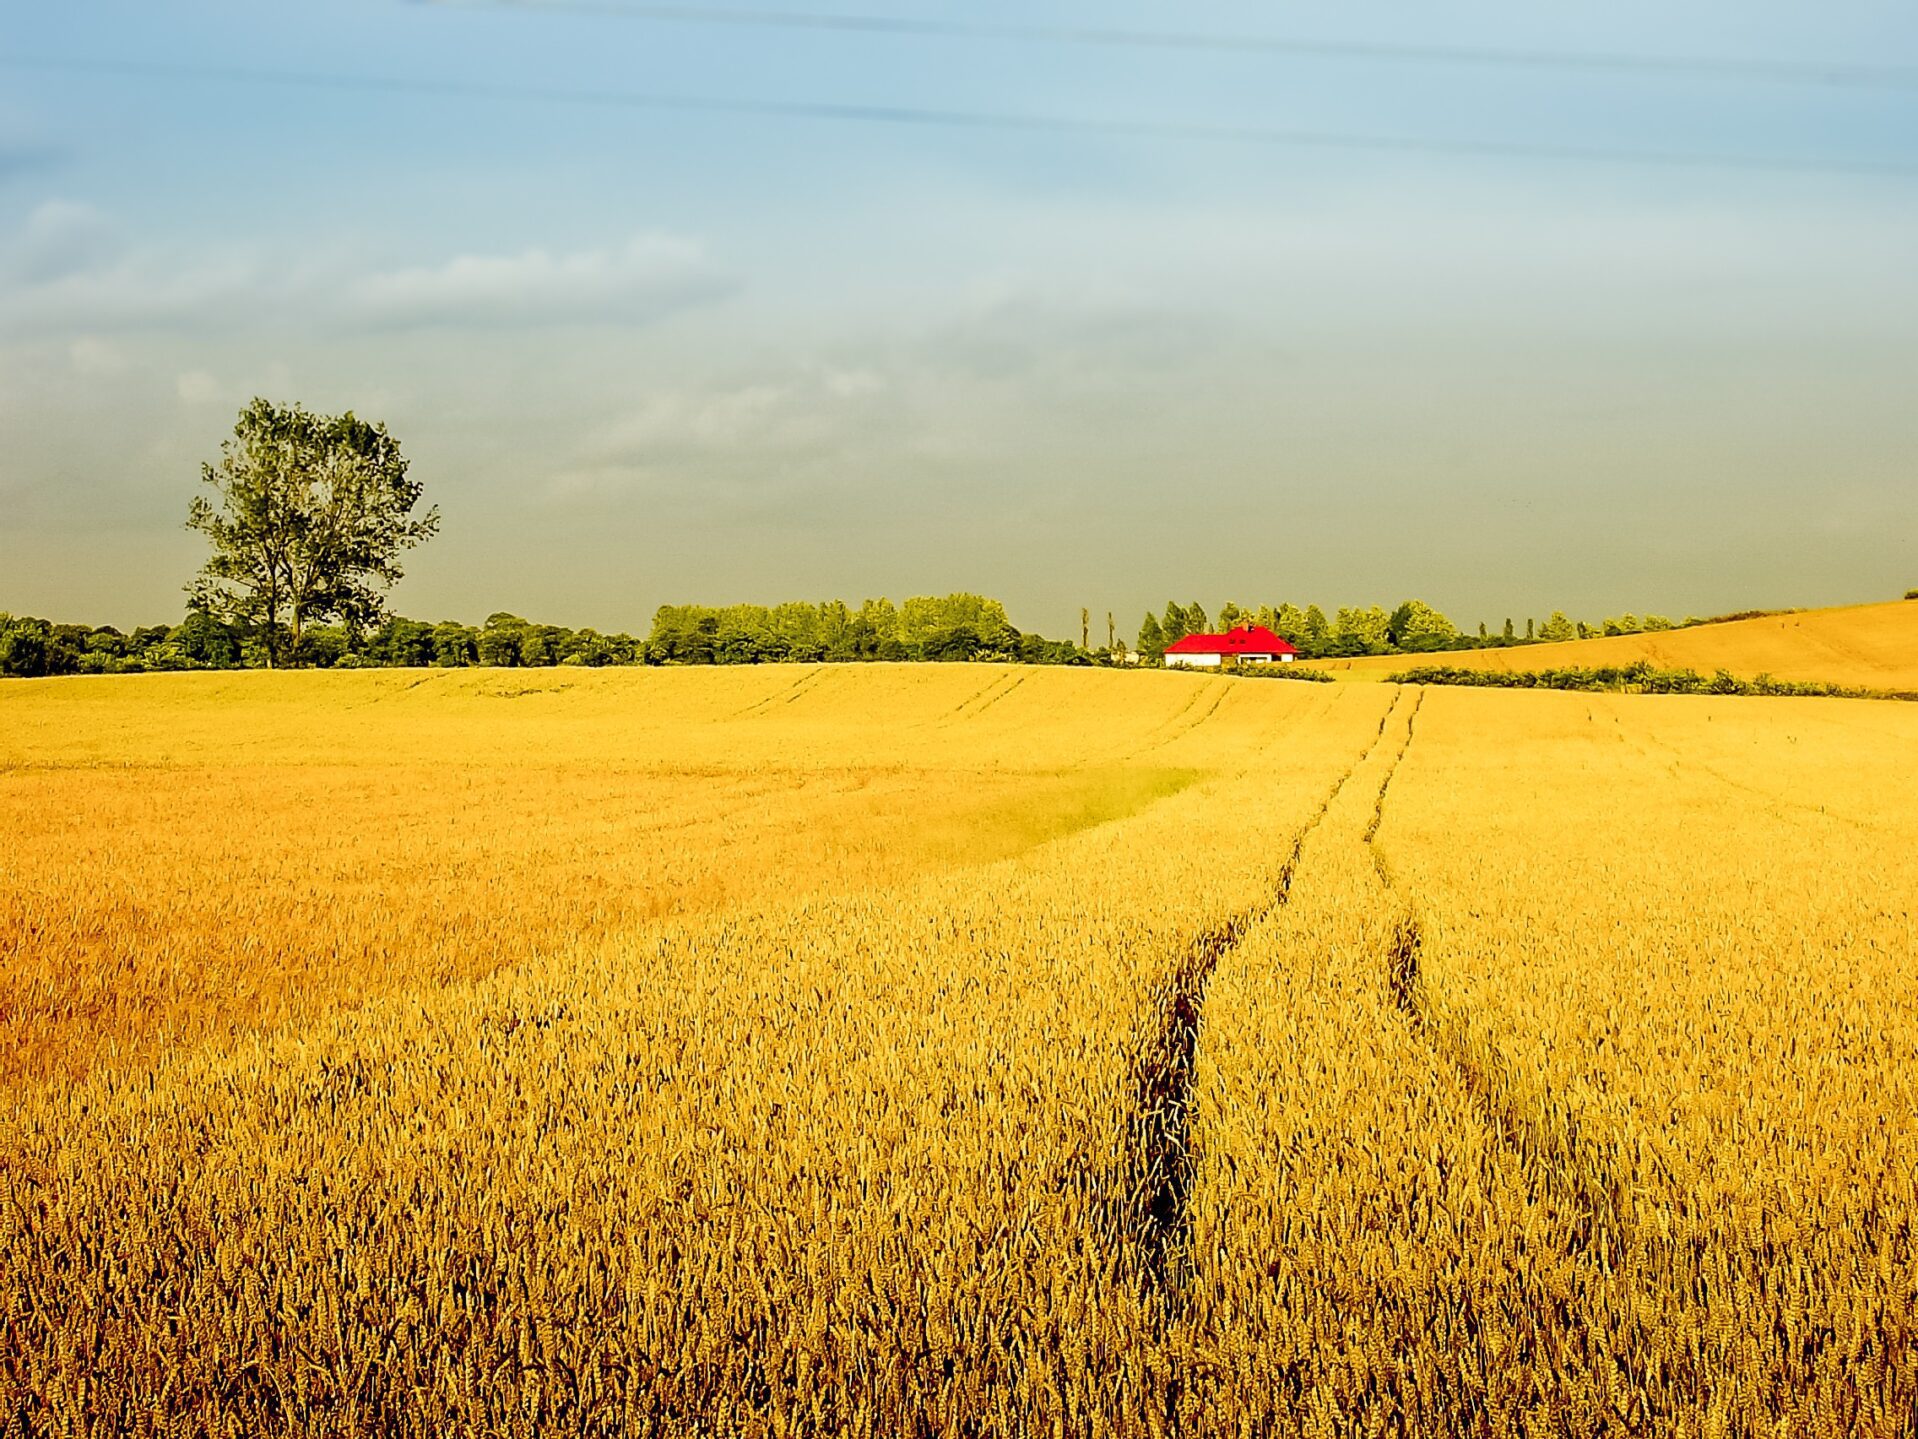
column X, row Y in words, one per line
column 881, row 619
column 24, row 645
column 308, row 518
column 1316, row 633
column 1509, row 634
column 106, row 640
column 1362, row 631
column 1230, row 617
column 454, row 645
column 403, row 642
column 501, row 640
column 924, row 616
column 536, row 648
column 1558, row 628
column 203, row 639
column 1174, row 627
column 1415, row 626
column 1152, row 640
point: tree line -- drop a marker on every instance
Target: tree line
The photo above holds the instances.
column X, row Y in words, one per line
column 927, row 628
column 1412, row 627
column 948, row 628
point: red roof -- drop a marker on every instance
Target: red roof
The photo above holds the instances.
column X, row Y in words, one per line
column 1245, row 640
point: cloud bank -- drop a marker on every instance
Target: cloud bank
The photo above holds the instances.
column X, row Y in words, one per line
column 68, row 269
column 645, row 279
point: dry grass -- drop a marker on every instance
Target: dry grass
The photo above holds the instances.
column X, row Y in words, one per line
column 1867, row 646
column 1342, row 1061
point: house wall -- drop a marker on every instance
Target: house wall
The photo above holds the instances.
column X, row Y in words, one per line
column 1197, row 662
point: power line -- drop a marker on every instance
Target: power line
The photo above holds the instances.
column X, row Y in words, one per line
column 1002, row 121
column 1843, row 73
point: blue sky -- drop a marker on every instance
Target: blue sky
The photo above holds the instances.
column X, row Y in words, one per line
column 644, row 355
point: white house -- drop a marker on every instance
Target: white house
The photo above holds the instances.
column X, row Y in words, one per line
column 1246, row 645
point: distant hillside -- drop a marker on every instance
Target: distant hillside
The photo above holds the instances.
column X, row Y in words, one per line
column 1875, row 646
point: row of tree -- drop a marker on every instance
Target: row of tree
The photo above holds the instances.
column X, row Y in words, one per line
column 953, row 627
column 1414, row 627
column 950, row 627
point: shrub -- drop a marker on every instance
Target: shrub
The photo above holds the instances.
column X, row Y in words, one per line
column 1639, row 678
column 1284, row 672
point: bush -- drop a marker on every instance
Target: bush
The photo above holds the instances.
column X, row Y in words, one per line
column 1284, row 672
column 1911, row 594
column 1639, row 678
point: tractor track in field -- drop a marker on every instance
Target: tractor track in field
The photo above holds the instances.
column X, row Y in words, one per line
column 959, row 710
column 1157, row 1186
column 978, row 702
column 790, row 693
column 1186, row 729
column 1169, row 727
column 1553, row 1147
column 1000, row 695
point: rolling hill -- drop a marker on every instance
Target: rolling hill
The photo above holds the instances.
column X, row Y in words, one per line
column 1873, row 646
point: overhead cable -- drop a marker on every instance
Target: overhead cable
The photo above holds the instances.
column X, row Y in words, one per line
column 926, row 117
column 1839, row 73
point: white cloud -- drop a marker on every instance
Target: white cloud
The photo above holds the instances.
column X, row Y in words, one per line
column 738, row 445
column 197, row 387
column 96, row 357
column 145, row 291
column 806, row 412
column 202, row 387
column 65, row 269
column 61, row 237
column 851, row 384
column 649, row 277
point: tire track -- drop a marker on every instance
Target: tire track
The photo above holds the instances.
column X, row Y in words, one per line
column 1165, row 724
column 792, row 692
column 1186, row 729
column 1001, row 695
column 958, row 711
column 1550, row 1146
column 1154, row 1219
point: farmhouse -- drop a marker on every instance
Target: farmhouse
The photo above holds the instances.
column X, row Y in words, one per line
column 1247, row 645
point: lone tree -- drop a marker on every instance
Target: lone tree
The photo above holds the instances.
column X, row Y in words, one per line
column 310, row 517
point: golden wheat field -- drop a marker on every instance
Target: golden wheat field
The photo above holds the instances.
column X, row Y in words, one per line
column 1861, row 646
column 953, row 1050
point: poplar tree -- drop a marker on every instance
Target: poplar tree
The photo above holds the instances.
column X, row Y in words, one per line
column 1152, row 640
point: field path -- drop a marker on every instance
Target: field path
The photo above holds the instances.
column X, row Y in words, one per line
column 1157, row 1221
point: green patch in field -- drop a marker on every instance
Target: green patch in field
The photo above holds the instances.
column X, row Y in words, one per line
column 1040, row 809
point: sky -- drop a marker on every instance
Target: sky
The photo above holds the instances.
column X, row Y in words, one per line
column 831, row 324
